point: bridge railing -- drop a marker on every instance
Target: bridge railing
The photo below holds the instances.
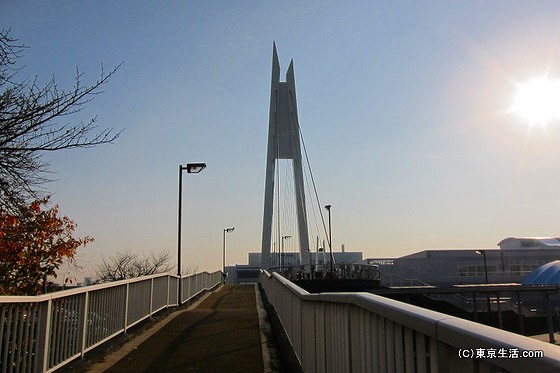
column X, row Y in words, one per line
column 362, row 332
column 43, row 333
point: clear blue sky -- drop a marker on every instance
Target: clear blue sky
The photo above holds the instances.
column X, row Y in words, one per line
column 402, row 105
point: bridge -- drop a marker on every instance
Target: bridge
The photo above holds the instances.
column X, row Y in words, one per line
column 180, row 323
column 328, row 332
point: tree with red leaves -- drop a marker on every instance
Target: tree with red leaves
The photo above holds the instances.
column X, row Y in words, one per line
column 33, row 245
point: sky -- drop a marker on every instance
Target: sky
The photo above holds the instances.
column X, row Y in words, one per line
column 403, row 106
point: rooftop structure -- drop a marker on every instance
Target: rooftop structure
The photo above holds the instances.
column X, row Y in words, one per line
column 513, row 243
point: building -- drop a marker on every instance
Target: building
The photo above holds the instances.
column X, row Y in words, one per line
column 510, row 263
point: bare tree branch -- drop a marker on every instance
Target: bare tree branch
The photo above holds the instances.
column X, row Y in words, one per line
column 30, row 123
column 124, row 265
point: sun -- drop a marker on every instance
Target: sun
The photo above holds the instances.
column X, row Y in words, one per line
column 537, row 101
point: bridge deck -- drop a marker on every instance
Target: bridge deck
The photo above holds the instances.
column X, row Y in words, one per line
column 221, row 334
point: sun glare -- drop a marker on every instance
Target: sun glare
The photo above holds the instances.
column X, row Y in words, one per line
column 538, row 101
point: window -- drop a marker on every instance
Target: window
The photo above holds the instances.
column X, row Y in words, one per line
column 528, row 243
column 476, row 270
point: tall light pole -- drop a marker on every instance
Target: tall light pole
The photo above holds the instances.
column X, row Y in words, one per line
column 226, row 230
column 328, row 207
column 191, row 168
column 483, row 253
column 282, row 257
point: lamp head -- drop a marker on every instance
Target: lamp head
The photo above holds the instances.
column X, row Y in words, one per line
column 194, row 168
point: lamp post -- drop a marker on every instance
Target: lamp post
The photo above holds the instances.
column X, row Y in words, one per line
column 226, row 230
column 328, row 207
column 191, row 168
column 282, row 257
column 483, row 253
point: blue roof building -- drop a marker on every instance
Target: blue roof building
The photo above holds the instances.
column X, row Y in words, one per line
column 546, row 274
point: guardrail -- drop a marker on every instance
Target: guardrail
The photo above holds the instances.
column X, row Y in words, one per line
column 43, row 333
column 362, row 332
column 340, row 271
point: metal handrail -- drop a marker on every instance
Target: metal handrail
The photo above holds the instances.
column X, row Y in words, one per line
column 347, row 332
column 77, row 290
column 45, row 332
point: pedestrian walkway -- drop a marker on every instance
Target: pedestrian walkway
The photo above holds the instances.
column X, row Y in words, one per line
column 220, row 335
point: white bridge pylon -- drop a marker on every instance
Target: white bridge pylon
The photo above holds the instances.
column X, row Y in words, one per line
column 284, row 143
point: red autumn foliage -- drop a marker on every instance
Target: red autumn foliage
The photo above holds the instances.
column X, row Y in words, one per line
column 33, row 245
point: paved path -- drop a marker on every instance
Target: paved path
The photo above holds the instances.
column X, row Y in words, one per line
column 220, row 335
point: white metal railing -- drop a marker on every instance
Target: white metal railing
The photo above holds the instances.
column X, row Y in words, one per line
column 362, row 332
column 43, row 333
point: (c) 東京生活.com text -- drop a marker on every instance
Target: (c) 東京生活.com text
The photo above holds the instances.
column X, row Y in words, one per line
column 499, row 353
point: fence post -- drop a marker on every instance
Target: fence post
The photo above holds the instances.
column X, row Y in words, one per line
column 84, row 320
column 126, row 307
column 168, row 284
column 151, row 296
column 45, row 332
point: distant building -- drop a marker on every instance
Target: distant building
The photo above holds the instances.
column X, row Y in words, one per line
column 515, row 258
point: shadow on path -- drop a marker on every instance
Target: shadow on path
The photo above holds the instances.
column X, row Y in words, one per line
column 221, row 334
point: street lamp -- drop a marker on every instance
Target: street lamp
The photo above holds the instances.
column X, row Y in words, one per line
column 282, row 257
column 226, row 230
column 483, row 253
column 328, row 207
column 191, row 168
